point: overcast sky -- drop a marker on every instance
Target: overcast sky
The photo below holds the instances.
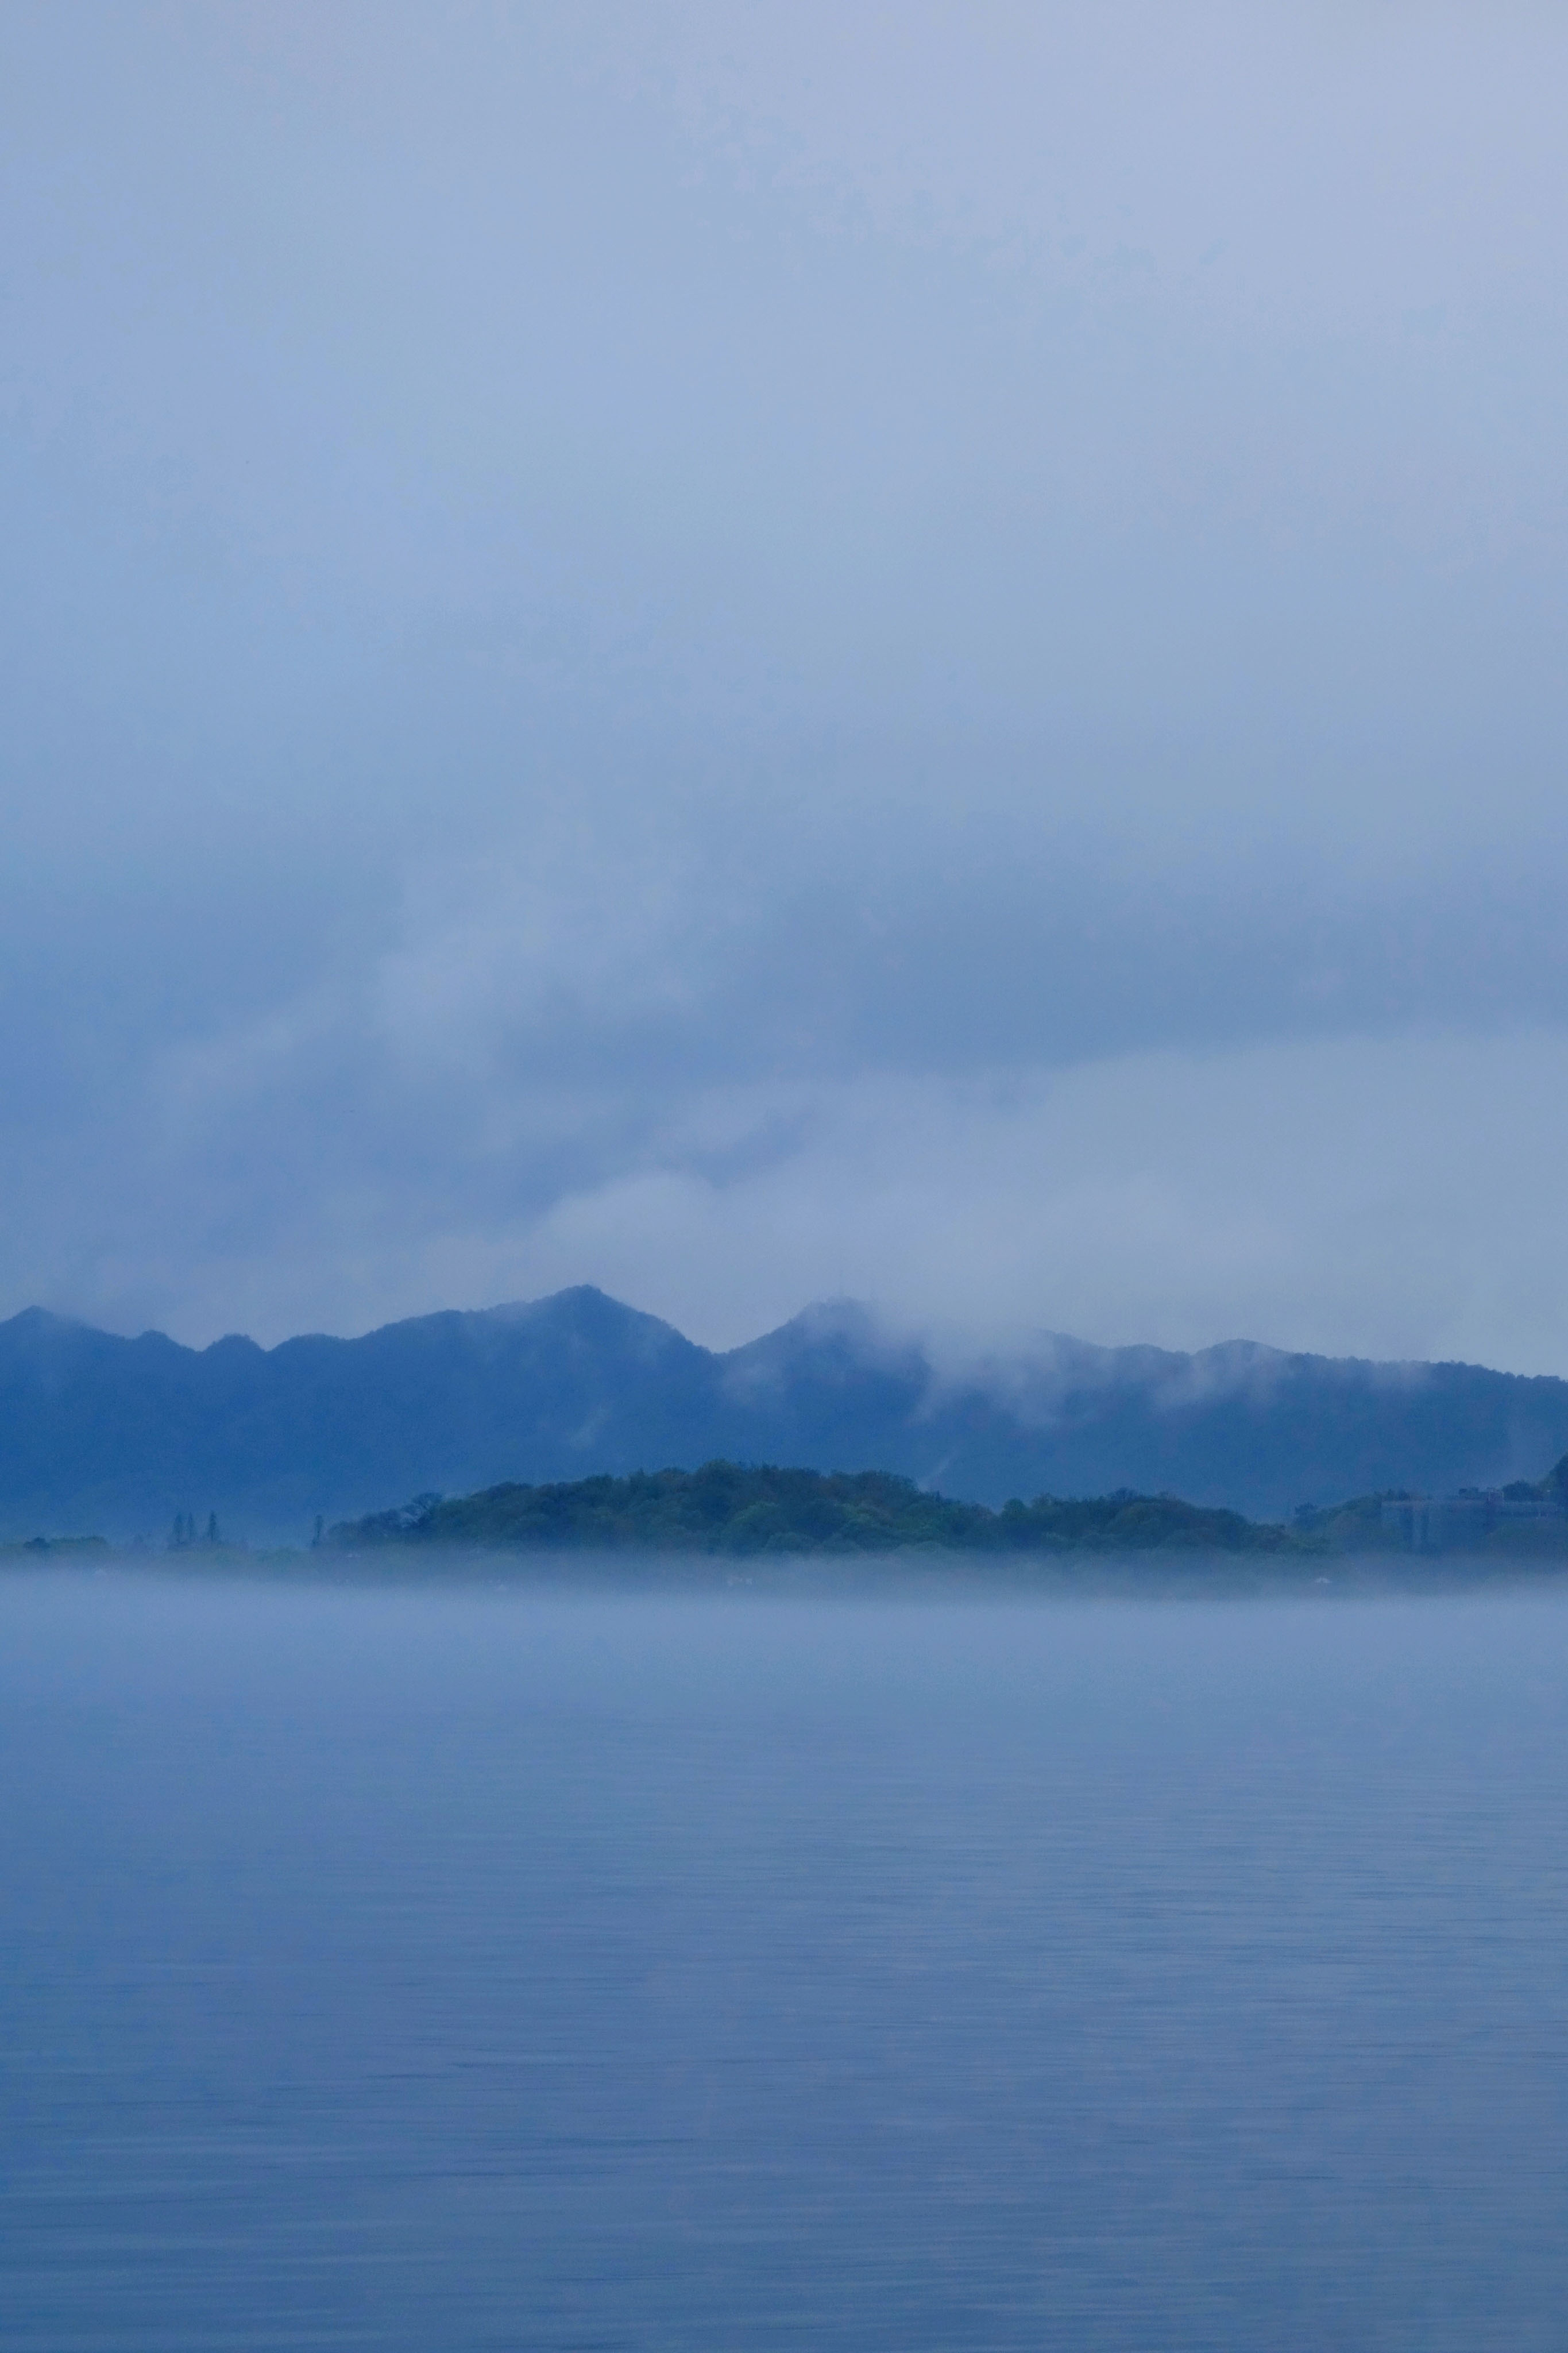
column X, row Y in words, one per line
column 752, row 652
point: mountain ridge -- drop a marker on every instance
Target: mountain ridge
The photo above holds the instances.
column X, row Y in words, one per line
column 117, row 1433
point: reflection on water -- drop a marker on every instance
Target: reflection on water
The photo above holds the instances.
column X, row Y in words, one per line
column 446, row 1971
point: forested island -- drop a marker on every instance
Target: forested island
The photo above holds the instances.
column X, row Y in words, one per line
column 744, row 1510
column 730, row 1508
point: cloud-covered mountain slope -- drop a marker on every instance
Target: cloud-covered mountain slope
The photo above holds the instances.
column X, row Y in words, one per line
column 116, row 1435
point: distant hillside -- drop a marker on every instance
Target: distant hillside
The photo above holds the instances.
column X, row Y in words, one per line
column 118, row 1435
column 725, row 1507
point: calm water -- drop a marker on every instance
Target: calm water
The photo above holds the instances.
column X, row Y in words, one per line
column 505, row 1970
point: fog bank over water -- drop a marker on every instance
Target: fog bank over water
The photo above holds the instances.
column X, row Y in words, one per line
column 748, row 655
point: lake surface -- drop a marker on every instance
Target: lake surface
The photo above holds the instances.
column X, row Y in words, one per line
column 449, row 1970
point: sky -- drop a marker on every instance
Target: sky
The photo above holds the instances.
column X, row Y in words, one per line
column 753, row 654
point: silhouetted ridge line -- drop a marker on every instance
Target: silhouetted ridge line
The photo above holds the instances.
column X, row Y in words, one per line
column 97, row 1430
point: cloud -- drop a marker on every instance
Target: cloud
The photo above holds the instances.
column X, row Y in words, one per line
column 1352, row 1197
column 1390, row 1198
column 694, row 648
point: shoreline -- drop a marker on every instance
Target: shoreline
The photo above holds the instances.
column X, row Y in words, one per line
column 907, row 1573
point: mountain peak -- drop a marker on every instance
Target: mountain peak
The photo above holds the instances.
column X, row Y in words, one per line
column 40, row 1320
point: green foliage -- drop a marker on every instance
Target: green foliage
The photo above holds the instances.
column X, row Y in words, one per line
column 728, row 1508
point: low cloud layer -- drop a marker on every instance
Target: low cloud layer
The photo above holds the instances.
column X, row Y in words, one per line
column 1389, row 1199
column 745, row 656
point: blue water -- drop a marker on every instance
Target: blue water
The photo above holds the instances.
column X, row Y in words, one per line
column 502, row 1970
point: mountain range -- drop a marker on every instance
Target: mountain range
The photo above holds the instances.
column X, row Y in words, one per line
column 100, row 1433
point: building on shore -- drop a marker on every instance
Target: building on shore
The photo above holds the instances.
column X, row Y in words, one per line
column 1449, row 1522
